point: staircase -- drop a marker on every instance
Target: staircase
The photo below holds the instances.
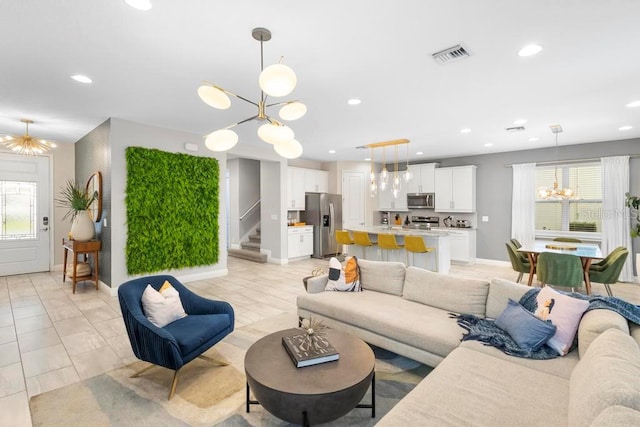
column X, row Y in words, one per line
column 250, row 250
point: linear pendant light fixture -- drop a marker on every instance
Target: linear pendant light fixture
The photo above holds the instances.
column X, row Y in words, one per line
column 276, row 80
column 26, row 144
column 383, row 178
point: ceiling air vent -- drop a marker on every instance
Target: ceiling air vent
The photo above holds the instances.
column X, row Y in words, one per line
column 450, row 54
column 515, row 129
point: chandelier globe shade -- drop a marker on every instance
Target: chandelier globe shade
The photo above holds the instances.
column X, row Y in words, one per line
column 221, row 140
column 292, row 111
column 26, row 144
column 277, row 80
column 274, row 133
column 214, row 97
column 289, row 149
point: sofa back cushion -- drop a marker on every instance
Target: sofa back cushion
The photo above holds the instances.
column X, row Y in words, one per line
column 457, row 294
column 500, row 291
column 594, row 323
column 606, row 376
column 387, row 277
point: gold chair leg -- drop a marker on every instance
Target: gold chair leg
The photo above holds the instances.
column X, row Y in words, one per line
column 174, row 383
column 214, row 361
column 137, row 374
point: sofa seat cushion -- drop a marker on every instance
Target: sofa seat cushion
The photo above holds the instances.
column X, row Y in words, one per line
column 469, row 388
column 560, row 366
column 197, row 329
column 389, row 316
column 607, row 375
column 457, row 294
column 617, row 416
column 387, row 277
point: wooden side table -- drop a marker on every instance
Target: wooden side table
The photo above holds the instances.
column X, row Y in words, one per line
column 81, row 248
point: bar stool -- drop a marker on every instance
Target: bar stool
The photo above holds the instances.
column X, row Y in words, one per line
column 343, row 238
column 387, row 242
column 415, row 245
column 361, row 239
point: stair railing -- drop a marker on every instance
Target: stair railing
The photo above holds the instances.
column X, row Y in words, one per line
column 255, row 205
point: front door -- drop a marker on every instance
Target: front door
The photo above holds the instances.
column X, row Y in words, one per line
column 25, row 217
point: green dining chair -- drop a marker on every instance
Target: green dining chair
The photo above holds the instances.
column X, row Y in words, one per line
column 560, row 270
column 611, row 273
column 516, row 243
column 567, row 239
column 519, row 263
column 606, row 262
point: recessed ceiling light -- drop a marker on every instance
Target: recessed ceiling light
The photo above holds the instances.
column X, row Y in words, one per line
column 633, row 104
column 140, row 4
column 354, row 101
column 465, row 130
column 419, row 153
column 82, row 79
column 625, row 127
column 368, row 159
column 332, row 151
column 534, row 139
column 488, row 144
column 519, row 122
column 529, row 50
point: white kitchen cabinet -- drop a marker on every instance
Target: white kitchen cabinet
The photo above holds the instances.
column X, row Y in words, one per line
column 295, row 189
column 316, row 181
column 423, row 180
column 300, row 241
column 455, row 189
column 463, row 245
column 386, row 201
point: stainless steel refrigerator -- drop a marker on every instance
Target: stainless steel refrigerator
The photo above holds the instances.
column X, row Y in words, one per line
column 324, row 212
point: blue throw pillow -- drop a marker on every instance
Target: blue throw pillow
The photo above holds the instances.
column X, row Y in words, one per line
column 526, row 329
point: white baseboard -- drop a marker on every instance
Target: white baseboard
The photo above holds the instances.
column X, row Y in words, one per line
column 496, row 262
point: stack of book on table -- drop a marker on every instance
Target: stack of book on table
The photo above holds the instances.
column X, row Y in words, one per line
column 306, row 352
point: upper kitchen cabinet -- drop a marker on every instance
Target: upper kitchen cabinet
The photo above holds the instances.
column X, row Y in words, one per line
column 295, row 189
column 455, row 189
column 423, row 180
column 386, row 201
column 316, row 181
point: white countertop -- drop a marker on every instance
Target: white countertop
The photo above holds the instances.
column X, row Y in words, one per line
column 399, row 231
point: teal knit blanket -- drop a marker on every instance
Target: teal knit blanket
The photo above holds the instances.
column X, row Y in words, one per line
column 486, row 331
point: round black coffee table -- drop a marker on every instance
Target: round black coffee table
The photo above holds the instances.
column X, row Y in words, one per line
column 312, row 394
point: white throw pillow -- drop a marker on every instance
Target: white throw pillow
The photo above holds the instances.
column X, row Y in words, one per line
column 162, row 307
column 565, row 312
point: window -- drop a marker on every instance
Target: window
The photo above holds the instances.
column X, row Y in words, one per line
column 580, row 214
column 17, row 210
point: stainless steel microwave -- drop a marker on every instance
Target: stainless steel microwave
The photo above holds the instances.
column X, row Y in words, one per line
column 421, row 200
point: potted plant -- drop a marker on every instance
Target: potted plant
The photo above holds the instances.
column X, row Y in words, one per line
column 633, row 202
column 77, row 202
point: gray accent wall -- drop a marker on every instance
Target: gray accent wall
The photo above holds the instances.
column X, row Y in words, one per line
column 93, row 154
column 494, row 185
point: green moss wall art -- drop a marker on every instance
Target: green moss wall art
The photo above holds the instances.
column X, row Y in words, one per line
column 172, row 210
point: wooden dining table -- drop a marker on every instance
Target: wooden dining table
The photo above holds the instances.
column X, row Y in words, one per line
column 586, row 251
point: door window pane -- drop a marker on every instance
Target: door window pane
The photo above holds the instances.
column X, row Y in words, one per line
column 18, row 210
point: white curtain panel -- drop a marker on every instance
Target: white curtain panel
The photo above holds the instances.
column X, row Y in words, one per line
column 615, row 215
column 523, row 204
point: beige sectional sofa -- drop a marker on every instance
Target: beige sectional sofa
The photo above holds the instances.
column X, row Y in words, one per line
column 407, row 310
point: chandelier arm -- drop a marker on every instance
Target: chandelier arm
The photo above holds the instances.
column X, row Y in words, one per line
column 228, row 92
column 281, row 103
column 241, row 122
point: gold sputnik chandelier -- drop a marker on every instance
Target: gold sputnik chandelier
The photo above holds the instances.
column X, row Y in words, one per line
column 26, row 144
column 276, row 80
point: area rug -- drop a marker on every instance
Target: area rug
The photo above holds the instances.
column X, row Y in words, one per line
column 205, row 393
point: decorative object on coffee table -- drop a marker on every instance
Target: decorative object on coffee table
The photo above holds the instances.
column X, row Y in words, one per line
column 316, row 394
column 309, row 345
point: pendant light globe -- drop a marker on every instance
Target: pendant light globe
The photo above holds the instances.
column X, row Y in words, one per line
column 214, row 97
column 274, row 133
column 289, row 149
column 292, row 110
column 277, row 80
column 221, row 140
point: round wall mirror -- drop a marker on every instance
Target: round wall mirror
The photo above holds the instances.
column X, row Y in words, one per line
column 94, row 186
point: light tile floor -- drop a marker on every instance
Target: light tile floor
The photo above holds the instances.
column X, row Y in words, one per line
column 50, row 337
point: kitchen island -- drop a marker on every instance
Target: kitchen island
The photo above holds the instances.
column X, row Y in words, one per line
column 437, row 260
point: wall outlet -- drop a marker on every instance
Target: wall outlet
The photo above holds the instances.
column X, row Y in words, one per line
column 104, row 222
column 274, row 217
column 485, row 218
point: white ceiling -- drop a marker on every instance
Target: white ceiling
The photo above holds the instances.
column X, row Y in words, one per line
column 147, row 66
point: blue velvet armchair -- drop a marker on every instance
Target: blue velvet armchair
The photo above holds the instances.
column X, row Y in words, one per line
column 179, row 342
